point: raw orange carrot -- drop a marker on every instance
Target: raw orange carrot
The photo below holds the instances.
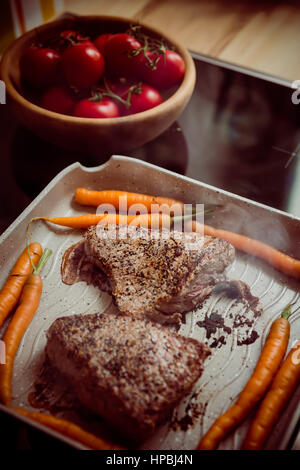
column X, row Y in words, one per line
column 87, row 220
column 95, row 198
column 69, row 429
column 283, row 385
column 270, row 359
column 153, row 221
column 11, row 291
column 29, row 302
column 284, row 263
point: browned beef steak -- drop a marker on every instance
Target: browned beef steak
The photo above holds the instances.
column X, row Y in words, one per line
column 76, row 266
column 160, row 277
column 129, row 371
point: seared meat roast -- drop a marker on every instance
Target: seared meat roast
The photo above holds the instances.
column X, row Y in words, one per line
column 161, row 277
column 130, row 371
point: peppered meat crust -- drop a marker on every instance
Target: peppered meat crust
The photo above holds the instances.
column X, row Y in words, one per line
column 158, row 277
column 129, row 371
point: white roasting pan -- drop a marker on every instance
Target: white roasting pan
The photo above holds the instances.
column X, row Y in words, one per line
column 232, row 360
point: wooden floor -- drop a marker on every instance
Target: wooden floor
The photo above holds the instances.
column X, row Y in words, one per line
column 262, row 35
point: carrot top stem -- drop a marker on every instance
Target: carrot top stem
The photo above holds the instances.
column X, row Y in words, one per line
column 286, row 312
column 191, row 215
column 44, row 258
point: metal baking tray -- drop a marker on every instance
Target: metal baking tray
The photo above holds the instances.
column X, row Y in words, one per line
column 233, row 356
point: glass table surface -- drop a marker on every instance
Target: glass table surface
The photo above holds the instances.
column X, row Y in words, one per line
column 239, row 132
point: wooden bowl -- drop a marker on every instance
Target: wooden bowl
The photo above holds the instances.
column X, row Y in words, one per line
column 89, row 134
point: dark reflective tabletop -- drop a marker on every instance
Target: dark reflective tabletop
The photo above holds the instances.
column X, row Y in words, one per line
column 239, row 133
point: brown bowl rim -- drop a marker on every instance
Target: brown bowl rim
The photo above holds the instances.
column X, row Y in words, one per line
column 184, row 88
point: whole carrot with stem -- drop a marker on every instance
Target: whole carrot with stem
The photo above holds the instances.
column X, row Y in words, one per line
column 87, row 220
column 124, row 199
column 284, row 263
column 156, row 220
column 29, row 302
column 282, row 388
column 69, row 429
column 268, row 364
column 11, row 290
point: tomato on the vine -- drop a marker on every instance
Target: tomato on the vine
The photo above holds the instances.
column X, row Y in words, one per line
column 101, row 40
column 40, row 66
column 119, row 86
column 66, row 38
column 102, row 107
column 141, row 97
column 58, row 99
column 162, row 70
column 112, row 75
column 83, row 65
column 71, row 35
column 122, row 54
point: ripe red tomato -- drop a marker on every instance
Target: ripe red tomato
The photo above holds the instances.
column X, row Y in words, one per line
column 40, row 66
column 122, row 55
column 169, row 69
column 58, row 99
column 101, row 40
column 104, row 108
column 142, row 98
column 83, row 65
